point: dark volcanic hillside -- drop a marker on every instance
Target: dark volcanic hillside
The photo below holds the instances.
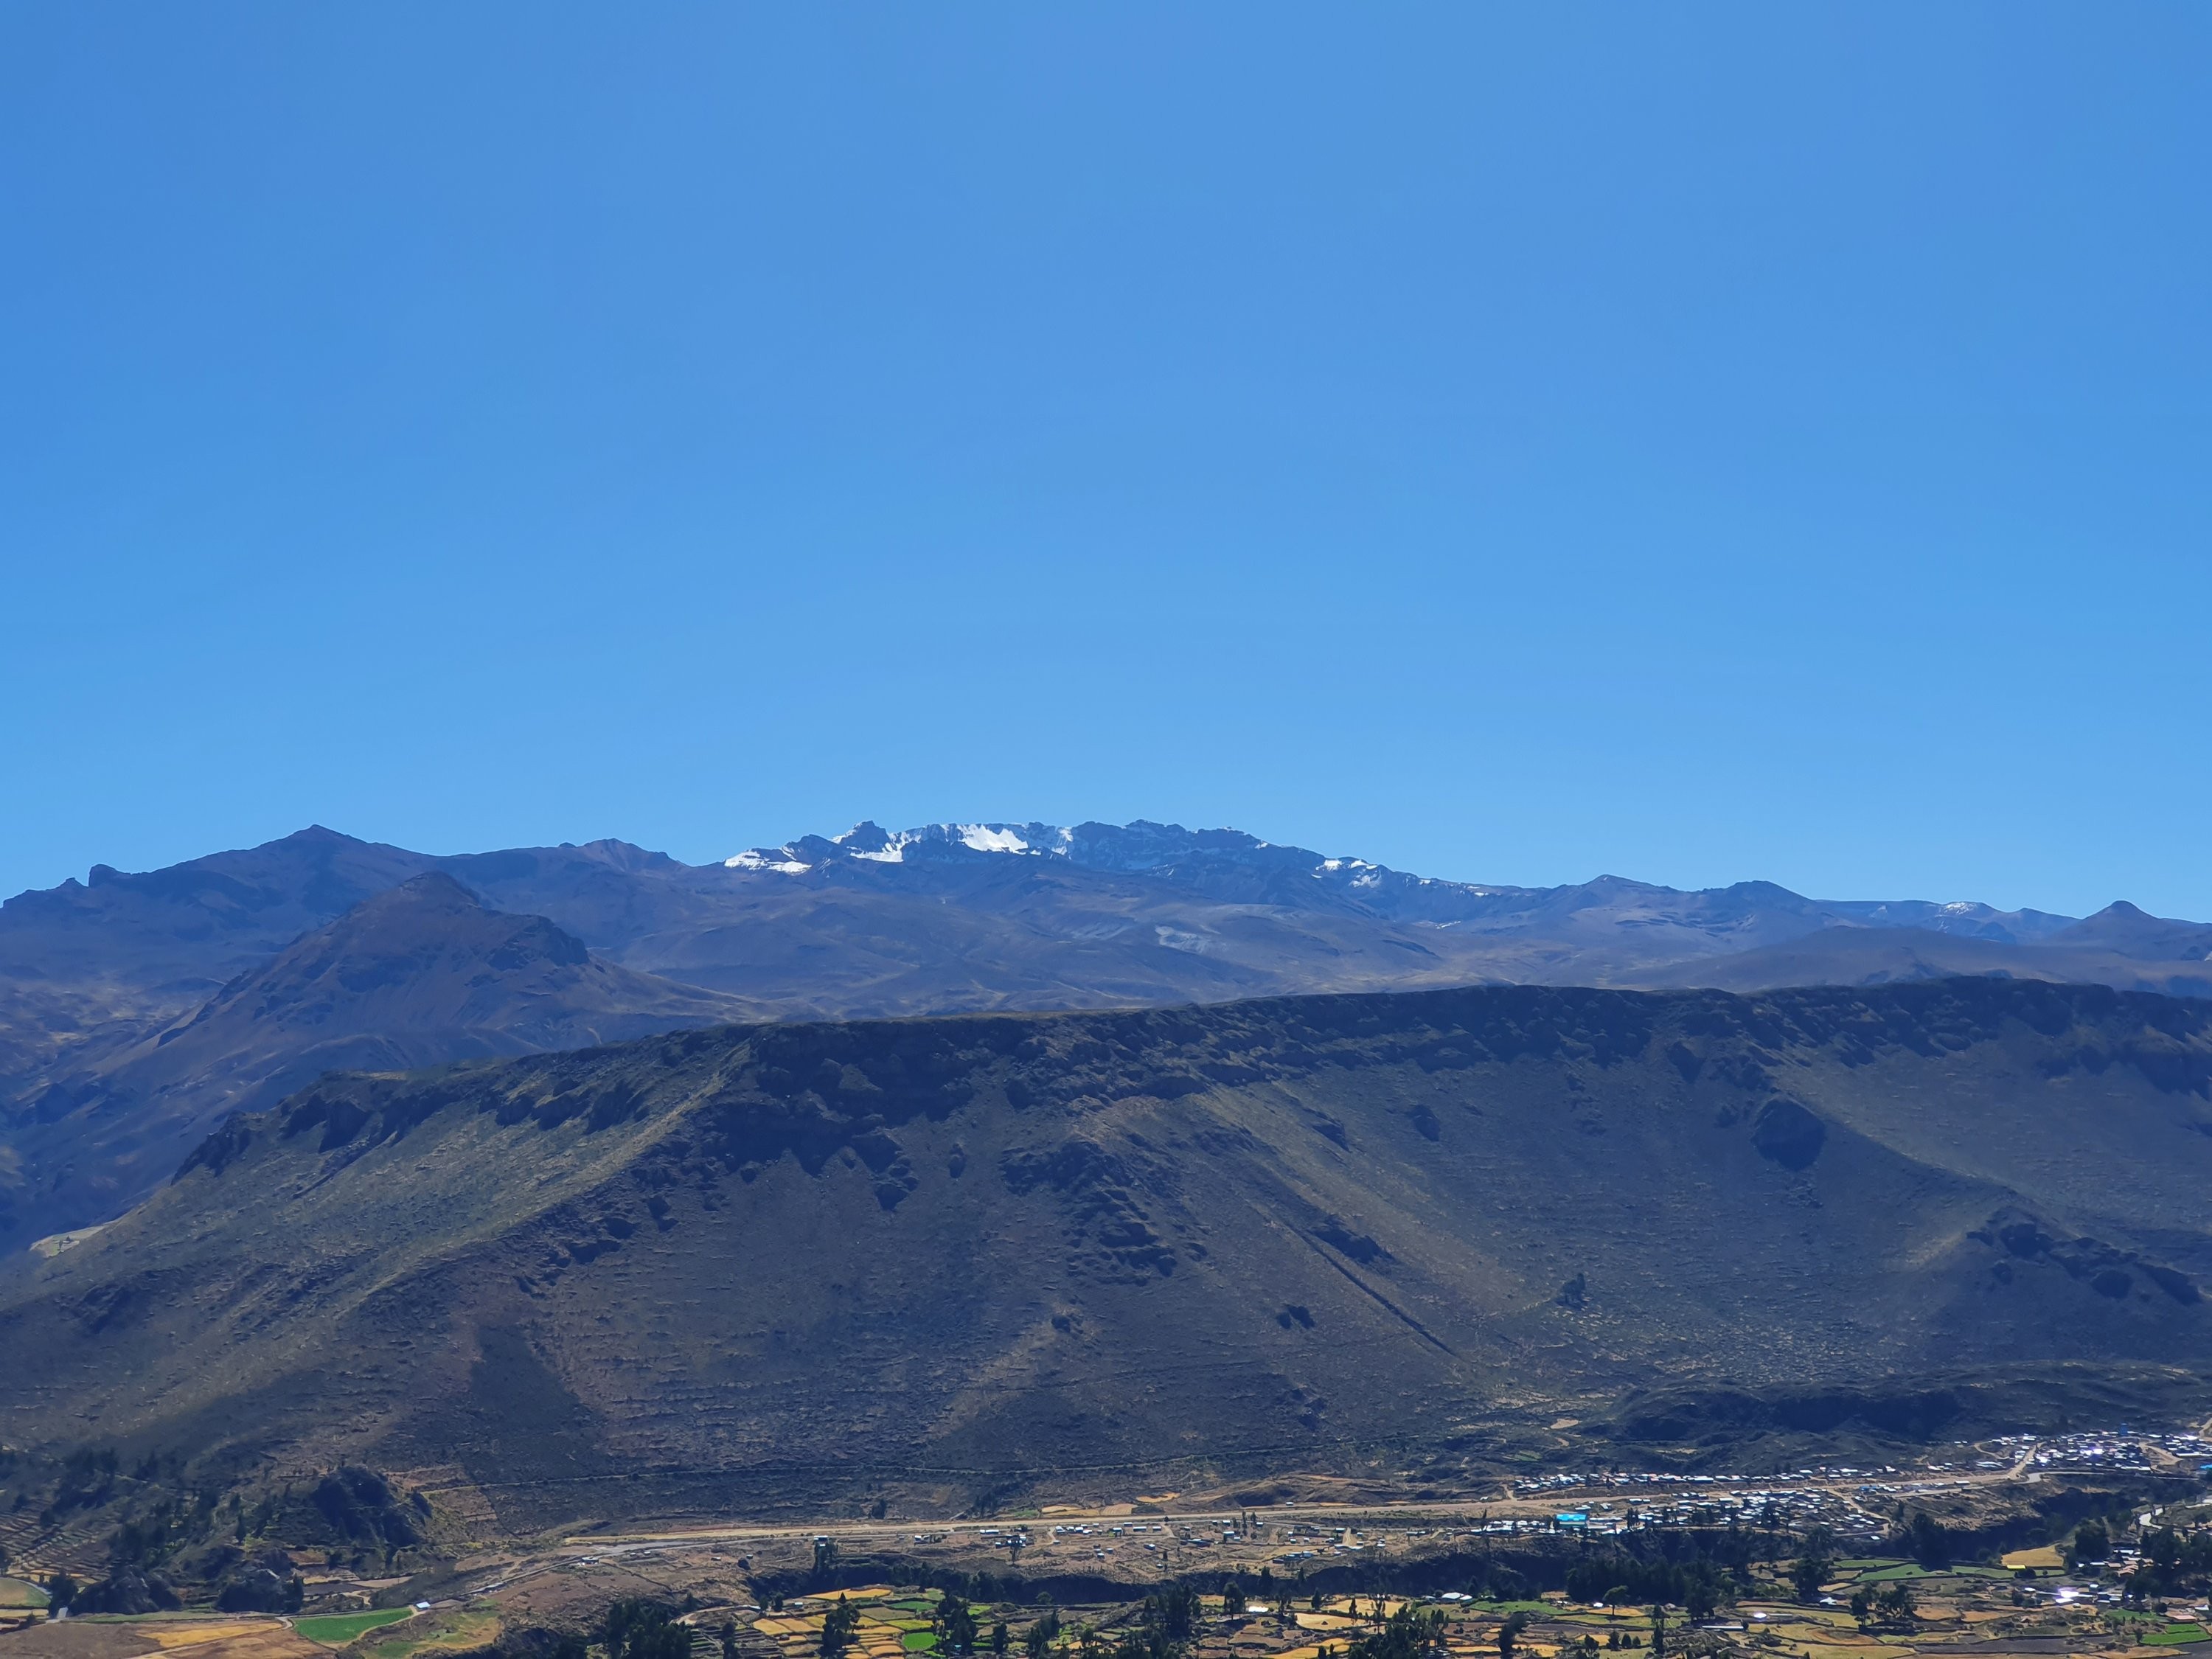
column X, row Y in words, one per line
column 966, row 1257
column 420, row 974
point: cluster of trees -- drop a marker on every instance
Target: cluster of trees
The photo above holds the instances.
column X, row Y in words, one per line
column 1701, row 1586
column 2172, row 1563
column 639, row 1627
column 1041, row 1635
column 363, row 1514
column 88, row 1481
column 1926, row 1539
column 261, row 1589
column 1410, row 1633
column 1815, row 1564
column 2092, row 1542
column 1235, row 1592
column 1890, row 1608
column 1162, row 1629
column 956, row 1629
column 841, row 1626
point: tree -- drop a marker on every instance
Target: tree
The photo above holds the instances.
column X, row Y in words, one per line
column 1002, row 1638
column 1703, row 1589
column 1892, row 1605
column 61, row 1590
column 1815, row 1564
column 1927, row 1541
column 2091, row 1542
column 1173, row 1612
column 1408, row 1633
column 825, row 1555
column 639, row 1627
column 1659, row 1631
column 956, row 1626
column 728, row 1635
column 839, row 1627
column 1037, row 1640
column 1510, row 1631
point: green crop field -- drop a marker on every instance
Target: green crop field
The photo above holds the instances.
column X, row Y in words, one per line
column 18, row 1593
column 338, row 1629
column 2175, row 1635
column 919, row 1641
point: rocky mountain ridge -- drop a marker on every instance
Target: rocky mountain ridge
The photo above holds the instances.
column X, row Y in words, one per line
column 1228, row 862
column 124, row 1035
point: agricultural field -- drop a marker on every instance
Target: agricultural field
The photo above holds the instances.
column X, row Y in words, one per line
column 892, row 1627
column 158, row 1634
column 338, row 1629
column 1986, row 1612
column 171, row 1633
column 454, row 1630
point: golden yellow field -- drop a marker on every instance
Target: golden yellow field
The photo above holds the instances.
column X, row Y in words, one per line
column 189, row 1636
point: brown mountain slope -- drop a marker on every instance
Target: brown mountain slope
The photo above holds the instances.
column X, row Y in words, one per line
column 970, row 1257
column 420, row 974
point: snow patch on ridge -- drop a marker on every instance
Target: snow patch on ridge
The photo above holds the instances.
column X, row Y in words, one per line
column 753, row 858
column 992, row 838
column 878, row 845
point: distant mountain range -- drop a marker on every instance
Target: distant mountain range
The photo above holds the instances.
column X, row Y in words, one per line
column 1411, row 1238
column 138, row 1010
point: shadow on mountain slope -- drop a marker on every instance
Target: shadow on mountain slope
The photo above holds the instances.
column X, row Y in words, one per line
column 419, row 974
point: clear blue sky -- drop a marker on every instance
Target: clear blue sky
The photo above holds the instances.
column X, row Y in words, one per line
column 1509, row 442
